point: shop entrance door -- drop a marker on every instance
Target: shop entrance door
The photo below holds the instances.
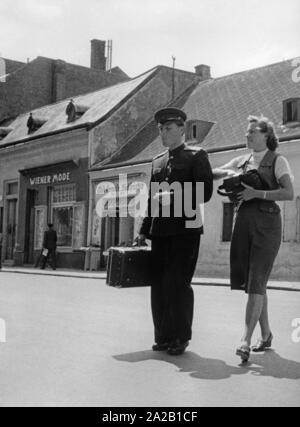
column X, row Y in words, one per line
column 11, row 227
column 29, row 227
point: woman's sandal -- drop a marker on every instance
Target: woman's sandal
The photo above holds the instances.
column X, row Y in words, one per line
column 262, row 345
column 244, row 352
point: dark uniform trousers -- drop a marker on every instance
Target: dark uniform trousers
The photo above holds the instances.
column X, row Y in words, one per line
column 175, row 247
column 172, row 297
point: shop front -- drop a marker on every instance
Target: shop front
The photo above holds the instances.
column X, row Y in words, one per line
column 117, row 208
column 56, row 194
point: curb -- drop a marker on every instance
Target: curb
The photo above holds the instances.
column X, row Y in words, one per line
column 283, row 286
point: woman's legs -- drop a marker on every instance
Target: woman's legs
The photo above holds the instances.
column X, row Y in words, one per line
column 254, row 311
column 264, row 321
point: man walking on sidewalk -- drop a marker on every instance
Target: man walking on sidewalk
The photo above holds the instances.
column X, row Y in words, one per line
column 175, row 245
column 49, row 247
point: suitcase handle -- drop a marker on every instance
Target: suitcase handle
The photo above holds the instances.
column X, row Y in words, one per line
column 136, row 245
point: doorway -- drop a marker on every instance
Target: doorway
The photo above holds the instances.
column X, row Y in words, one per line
column 11, row 227
column 29, row 227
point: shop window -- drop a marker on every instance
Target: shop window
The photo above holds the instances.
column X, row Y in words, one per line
column 116, row 231
column 126, row 231
column 291, row 110
column 63, row 224
column 69, row 223
column 110, row 232
column 67, row 216
column 64, row 193
column 291, row 221
column 40, row 226
column 228, row 214
column 96, row 226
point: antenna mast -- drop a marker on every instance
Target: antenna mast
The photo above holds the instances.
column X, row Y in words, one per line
column 173, row 77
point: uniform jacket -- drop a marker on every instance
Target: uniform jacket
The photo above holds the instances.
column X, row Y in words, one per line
column 183, row 164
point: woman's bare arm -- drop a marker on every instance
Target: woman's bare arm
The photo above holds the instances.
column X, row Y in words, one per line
column 224, row 171
column 285, row 192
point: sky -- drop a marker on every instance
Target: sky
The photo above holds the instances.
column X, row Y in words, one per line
column 228, row 35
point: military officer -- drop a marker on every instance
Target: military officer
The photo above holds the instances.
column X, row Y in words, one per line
column 175, row 243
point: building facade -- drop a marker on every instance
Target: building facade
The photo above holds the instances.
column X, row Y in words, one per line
column 46, row 154
column 217, row 111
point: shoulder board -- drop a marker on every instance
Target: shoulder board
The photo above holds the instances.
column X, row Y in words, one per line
column 160, row 155
column 192, row 148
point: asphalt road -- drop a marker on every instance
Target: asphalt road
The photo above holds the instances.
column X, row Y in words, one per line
column 77, row 342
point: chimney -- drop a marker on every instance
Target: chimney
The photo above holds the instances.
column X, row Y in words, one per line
column 203, row 71
column 98, row 59
column 59, row 80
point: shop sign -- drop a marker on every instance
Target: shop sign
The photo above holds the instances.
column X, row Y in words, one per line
column 50, row 179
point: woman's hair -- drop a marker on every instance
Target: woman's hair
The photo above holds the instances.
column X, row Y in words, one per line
column 266, row 126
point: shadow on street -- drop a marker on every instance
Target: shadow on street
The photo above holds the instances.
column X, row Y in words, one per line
column 199, row 367
column 268, row 364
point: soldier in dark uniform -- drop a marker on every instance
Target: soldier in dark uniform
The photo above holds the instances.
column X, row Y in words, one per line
column 175, row 243
column 49, row 243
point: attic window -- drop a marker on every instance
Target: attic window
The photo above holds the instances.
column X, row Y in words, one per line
column 75, row 111
column 194, row 131
column 4, row 131
column 34, row 123
column 291, row 110
column 197, row 130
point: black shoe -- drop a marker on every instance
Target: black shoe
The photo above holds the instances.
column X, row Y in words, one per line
column 177, row 347
column 262, row 345
column 244, row 352
column 160, row 346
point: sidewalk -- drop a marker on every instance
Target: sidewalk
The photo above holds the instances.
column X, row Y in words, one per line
column 204, row 281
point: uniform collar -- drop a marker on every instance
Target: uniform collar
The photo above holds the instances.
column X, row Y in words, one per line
column 177, row 149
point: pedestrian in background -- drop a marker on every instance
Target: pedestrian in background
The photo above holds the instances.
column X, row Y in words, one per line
column 49, row 247
column 256, row 235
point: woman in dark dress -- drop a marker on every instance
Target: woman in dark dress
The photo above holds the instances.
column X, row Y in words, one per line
column 257, row 231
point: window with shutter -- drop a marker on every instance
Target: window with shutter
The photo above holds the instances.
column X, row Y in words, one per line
column 291, row 110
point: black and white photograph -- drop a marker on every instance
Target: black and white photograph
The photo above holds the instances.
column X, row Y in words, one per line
column 149, row 206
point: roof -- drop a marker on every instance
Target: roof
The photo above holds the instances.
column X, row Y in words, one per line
column 12, row 65
column 99, row 103
column 146, row 143
column 227, row 102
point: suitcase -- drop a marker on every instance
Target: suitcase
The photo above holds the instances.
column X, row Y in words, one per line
column 129, row 267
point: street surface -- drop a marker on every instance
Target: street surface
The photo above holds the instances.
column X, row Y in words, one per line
column 77, row 342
